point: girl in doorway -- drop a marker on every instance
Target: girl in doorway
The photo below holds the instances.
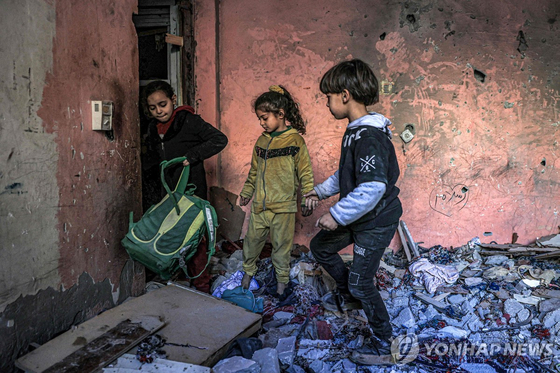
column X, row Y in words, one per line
column 178, row 132
column 280, row 164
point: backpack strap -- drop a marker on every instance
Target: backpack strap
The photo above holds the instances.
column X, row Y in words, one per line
column 210, row 220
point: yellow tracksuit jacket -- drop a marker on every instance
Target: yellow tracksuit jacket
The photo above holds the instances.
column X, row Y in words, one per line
column 279, row 165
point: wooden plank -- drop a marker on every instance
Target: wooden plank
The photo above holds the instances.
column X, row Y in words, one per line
column 546, row 293
column 551, row 254
column 499, row 246
column 507, row 253
column 188, row 67
column 408, row 236
column 174, row 39
column 190, row 317
column 91, row 349
column 104, row 349
column 405, row 245
column 531, row 249
column 429, row 300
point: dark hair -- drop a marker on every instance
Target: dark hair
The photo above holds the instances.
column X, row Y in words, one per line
column 158, row 85
column 355, row 76
column 273, row 101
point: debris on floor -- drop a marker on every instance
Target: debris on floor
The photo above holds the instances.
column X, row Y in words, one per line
column 481, row 307
column 129, row 363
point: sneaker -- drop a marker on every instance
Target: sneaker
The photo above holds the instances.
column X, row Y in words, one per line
column 375, row 352
column 335, row 301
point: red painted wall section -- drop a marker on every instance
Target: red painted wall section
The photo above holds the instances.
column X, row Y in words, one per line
column 95, row 57
column 477, row 79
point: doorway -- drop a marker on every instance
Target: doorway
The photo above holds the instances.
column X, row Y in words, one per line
column 161, row 60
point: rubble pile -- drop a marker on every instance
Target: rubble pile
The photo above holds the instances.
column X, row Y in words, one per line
column 475, row 308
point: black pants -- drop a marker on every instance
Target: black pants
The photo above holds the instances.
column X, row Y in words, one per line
column 368, row 249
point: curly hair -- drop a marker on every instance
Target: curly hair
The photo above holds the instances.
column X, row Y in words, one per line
column 278, row 98
column 355, row 76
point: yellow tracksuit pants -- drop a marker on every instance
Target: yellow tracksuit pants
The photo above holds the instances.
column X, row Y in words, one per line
column 281, row 228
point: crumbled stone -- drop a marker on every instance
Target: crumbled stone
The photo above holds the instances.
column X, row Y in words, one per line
column 477, row 368
column 400, row 302
column 286, row 350
column 267, row 358
column 512, row 307
column 319, row 366
column 523, row 314
column 495, row 260
column 237, row 364
column 455, row 298
column 405, row 319
column 453, row 332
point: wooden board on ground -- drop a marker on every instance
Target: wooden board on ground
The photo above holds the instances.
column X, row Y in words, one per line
column 190, row 317
column 128, row 363
column 110, row 345
column 429, row 300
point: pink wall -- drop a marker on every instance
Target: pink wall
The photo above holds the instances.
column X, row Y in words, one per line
column 484, row 158
column 95, row 57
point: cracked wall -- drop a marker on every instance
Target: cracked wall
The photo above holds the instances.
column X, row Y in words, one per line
column 477, row 80
column 65, row 190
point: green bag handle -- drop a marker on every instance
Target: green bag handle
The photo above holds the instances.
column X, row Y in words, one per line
column 181, row 184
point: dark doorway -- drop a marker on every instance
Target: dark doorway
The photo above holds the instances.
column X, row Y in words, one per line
column 158, row 60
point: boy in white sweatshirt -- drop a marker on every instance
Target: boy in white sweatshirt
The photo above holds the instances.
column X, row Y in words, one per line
column 368, row 211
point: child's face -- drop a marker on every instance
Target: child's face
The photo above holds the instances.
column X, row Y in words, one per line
column 161, row 106
column 271, row 122
column 336, row 105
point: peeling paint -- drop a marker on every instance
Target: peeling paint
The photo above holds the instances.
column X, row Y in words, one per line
column 455, row 72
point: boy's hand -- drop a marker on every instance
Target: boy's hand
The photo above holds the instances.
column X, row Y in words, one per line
column 327, row 222
column 186, row 163
column 305, row 211
column 243, row 201
column 312, row 193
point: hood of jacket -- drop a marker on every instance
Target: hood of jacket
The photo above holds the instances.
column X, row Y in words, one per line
column 373, row 119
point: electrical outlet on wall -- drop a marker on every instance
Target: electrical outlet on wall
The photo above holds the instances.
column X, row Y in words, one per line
column 408, row 134
column 102, row 115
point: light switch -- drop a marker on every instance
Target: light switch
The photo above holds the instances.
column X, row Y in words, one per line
column 102, row 115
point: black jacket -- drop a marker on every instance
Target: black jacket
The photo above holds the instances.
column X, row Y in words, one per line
column 189, row 136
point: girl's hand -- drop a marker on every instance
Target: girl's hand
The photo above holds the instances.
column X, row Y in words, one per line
column 186, row 163
column 327, row 222
column 311, row 202
column 305, row 211
column 243, row 201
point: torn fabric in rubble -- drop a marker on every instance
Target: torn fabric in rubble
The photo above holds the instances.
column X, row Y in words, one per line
column 233, row 282
column 432, row 275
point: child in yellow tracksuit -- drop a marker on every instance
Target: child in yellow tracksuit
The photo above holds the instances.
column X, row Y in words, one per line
column 279, row 165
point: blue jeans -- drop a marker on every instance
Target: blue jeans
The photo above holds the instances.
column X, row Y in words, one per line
column 358, row 280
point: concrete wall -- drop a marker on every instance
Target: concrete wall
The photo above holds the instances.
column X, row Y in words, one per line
column 477, row 79
column 65, row 190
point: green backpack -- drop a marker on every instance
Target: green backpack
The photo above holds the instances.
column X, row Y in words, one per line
column 169, row 233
